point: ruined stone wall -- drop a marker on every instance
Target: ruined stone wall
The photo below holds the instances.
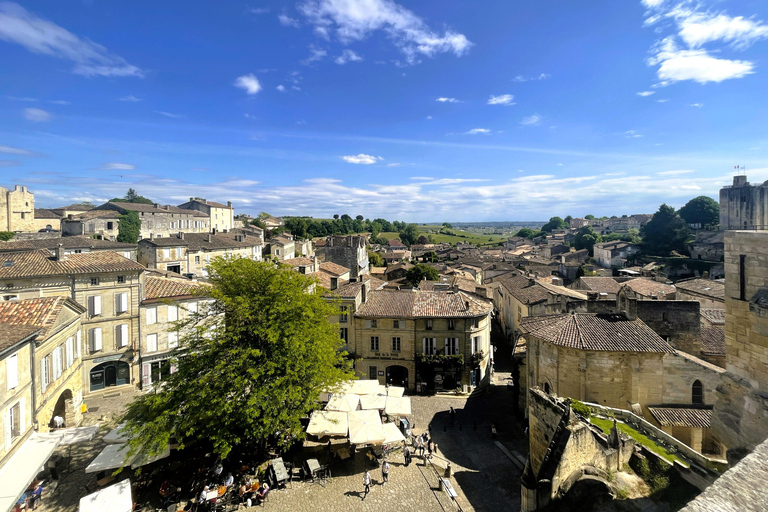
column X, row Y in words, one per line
column 740, row 416
column 543, row 417
column 676, row 321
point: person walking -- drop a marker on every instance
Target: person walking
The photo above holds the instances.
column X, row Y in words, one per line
column 452, row 414
column 429, row 449
column 407, row 456
column 385, row 472
column 366, row 483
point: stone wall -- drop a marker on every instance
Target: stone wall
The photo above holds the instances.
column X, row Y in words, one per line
column 349, row 252
column 740, row 416
column 677, row 321
column 744, row 206
column 17, row 209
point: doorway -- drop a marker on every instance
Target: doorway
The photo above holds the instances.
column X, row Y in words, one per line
column 397, row 376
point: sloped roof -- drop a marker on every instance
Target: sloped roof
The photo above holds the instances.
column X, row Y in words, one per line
column 601, row 284
column 162, row 287
column 40, row 313
column 686, row 416
column 523, row 290
column 333, row 268
column 422, row 304
column 649, row 287
column 46, row 213
column 151, row 208
column 298, row 262
column 705, row 287
column 41, row 263
column 598, row 332
column 199, row 241
column 67, row 242
column 713, row 340
column 714, row 316
column 95, row 214
column 206, row 202
column 13, row 334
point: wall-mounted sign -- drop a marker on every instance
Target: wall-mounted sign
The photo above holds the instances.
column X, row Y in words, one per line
column 381, row 373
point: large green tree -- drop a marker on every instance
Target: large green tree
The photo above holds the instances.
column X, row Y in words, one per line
column 419, row 272
column 701, row 210
column 255, row 362
column 409, row 234
column 664, row 233
column 554, row 223
column 586, row 238
column 128, row 227
column 131, row 197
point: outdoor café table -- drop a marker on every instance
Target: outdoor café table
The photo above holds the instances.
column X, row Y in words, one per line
column 281, row 474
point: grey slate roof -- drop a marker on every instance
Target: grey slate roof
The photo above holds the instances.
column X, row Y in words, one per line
column 598, row 332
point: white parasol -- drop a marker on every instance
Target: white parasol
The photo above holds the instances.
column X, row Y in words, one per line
column 373, row 402
column 343, row 403
column 395, row 391
column 115, row 498
column 398, row 406
column 328, row 423
column 365, row 428
column 392, row 433
column 365, row 387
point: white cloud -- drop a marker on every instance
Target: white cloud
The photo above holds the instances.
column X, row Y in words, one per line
column 17, row 25
column 521, row 78
column 169, row 114
column 532, row 120
column 698, row 65
column 315, row 54
column 394, row 164
column 131, row 98
column 674, row 173
column 249, row 83
column 9, row 163
column 443, row 99
column 697, row 105
column 37, row 115
column 646, row 93
column 287, row 21
column 295, row 87
column 477, row 131
column 698, row 28
column 361, row 159
column 60, row 102
column 504, row 99
column 116, row 166
column 354, row 21
column 347, row 56
column 8, row 150
column 662, row 100
column 632, row 134
column 429, row 117
column 25, row 99
column 280, row 88
column 652, row 3
column 259, row 10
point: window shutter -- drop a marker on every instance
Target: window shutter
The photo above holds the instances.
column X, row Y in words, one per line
column 56, row 362
column 173, row 313
column 402, row 324
column 423, row 345
column 367, row 324
column 193, row 307
column 124, row 335
column 145, row 373
column 12, row 371
column 8, row 438
column 123, row 299
column 151, row 316
column 78, row 340
column 96, row 339
column 70, row 351
column 118, row 336
column 151, row 342
column 173, row 339
column 95, row 305
column 22, row 414
column 44, row 379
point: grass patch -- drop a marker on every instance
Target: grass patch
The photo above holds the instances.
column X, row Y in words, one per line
column 606, row 425
column 477, row 239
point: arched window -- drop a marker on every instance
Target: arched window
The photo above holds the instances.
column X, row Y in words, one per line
column 697, row 393
column 546, row 388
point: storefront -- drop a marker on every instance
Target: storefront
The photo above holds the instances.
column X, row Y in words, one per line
column 156, row 368
column 105, row 374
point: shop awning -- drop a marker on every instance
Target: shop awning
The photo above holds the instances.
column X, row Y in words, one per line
column 343, row 403
column 328, row 423
column 398, row 406
column 365, row 428
column 76, row 435
column 365, row 387
column 115, row 498
column 113, row 456
column 116, row 436
column 392, row 433
column 23, row 466
column 373, row 402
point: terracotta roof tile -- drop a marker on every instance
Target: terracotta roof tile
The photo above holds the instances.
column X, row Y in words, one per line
column 598, row 332
column 713, row 340
column 706, row 287
column 422, row 304
column 674, row 416
column 714, row 316
column 333, row 268
column 298, row 262
column 200, row 241
column 13, row 334
column 46, row 213
column 325, row 279
column 351, row 290
column 161, row 287
column 649, row 287
column 40, row 312
column 151, row 208
column 67, row 242
column 601, row 284
column 41, row 263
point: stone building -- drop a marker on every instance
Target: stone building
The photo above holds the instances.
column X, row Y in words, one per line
column 102, row 223
column 16, row 390
column 17, row 209
column 57, row 376
column 281, row 247
column 162, row 221
column 222, row 215
column 743, row 205
column 618, row 361
column 71, row 245
column 166, row 300
column 190, row 253
column 106, row 284
column 412, row 336
column 651, row 289
column 350, row 252
column 710, row 294
column 741, row 411
column 614, row 254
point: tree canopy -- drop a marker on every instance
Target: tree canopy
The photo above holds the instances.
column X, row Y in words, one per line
column 409, row 234
column 419, row 272
column 664, row 233
column 254, row 363
column 375, row 259
column 129, row 227
column 586, row 238
column 131, row 197
column 554, row 223
column 6, row 235
column 701, row 210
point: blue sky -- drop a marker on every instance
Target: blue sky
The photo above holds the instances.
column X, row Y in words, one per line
column 419, row 111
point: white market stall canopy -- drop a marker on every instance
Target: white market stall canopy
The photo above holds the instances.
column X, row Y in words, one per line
column 116, row 436
column 365, row 428
column 142, row 459
column 365, row 387
column 113, row 456
column 115, row 498
column 76, row 435
column 373, row 402
column 395, row 391
column 392, row 433
column 398, row 406
column 343, row 403
column 23, row 466
column 328, row 423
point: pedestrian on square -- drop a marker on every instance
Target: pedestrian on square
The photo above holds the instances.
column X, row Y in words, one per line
column 430, row 447
column 407, row 456
column 385, row 472
column 366, row 483
column 452, row 414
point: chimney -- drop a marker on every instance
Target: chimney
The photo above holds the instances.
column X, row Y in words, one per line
column 70, row 217
column 229, row 204
column 208, row 238
column 157, row 205
column 151, row 236
column 364, row 290
column 335, row 283
column 60, row 256
column 16, row 187
column 181, row 235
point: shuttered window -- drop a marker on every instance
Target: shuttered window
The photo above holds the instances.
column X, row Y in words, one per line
column 121, row 302
column 173, row 313
column 70, row 351
column 45, row 373
column 56, row 363
column 173, row 339
column 428, row 345
column 151, row 342
column 12, row 371
column 151, row 316
column 95, row 339
column 121, row 335
column 94, row 305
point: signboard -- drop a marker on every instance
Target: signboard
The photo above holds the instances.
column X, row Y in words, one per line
column 116, row 357
column 381, row 373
